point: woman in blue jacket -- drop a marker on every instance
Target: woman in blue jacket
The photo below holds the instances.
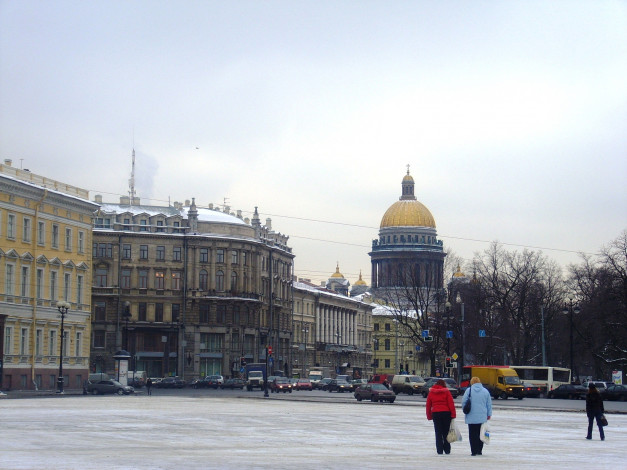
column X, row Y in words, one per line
column 480, row 412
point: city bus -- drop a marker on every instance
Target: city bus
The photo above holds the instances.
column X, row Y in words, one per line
column 548, row 378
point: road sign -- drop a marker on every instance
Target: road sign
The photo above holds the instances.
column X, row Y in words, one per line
column 269, row 349
column 425, row 333
column 449, row 334
column 417, row 348
column 481, row 333
column 454, row 356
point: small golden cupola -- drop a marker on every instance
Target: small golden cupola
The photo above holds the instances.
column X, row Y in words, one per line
column 337, row 273
column 360, row 282
column 458, row 274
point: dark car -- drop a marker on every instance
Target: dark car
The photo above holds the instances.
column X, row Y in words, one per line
column 281, row 384
column 572, row 392
column 374, row 392
column 338, row 385
column 102, row 387
column 450, row 384
column 616, row 392
column 205, row 382
column 323, row 383
column 531, row 390
column 356, row 383
column 234, row 383
column 170, row 382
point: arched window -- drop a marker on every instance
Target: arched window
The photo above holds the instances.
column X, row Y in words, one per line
column 220, row 280
column 233, row 281
column 203, row 277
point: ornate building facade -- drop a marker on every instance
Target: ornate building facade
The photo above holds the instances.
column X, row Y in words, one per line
column 45, row 241
column 189, row 291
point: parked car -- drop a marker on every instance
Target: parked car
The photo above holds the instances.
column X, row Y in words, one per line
column 234, row 383
column 338, row 385
column 599, row 384
column 204, row 382
column 531, row 390
column 323, row 383
column 408, row 384
column 170, row 382
column 281, row 384
column 102, row 387
column 303, row 384
column 450, row 384
column 616, row 392
column 573, row 392
column 374, row 392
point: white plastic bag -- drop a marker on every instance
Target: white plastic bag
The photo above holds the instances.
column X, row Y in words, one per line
column 454, row 434
column 484, row 433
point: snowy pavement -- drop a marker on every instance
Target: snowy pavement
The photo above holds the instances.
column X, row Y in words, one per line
column 164, row 432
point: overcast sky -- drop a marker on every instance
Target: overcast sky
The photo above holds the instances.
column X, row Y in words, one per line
column 512, row 115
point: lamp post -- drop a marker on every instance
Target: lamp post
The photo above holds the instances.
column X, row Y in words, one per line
column 63, row 308
column 376, row 347
column 569, row 309
column 127, row 317
column 306, row 331
column 459, row 300
column 338, row 335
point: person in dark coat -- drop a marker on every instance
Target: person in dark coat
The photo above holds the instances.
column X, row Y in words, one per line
column 441, row 409
column 148, row 386
column 594, row 409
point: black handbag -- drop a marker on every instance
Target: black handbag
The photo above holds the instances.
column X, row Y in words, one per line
column 466, row 408
column 603, row 420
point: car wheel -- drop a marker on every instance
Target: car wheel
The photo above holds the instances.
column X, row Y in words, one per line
column 520, row 398
column 391, row 400
column 410, row 392
column 424, row 394
column 374, row 399
column 503, row 396
column 94, row 392
column 358, row 397
column 120, row 391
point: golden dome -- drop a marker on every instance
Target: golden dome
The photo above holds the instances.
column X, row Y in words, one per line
column 407, row 213
column 360, row 282
column 337, row 272
column 459, row 273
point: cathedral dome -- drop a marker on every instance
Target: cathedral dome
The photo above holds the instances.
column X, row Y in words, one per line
column 337, row 273
column 360, row 282
column 407, row 212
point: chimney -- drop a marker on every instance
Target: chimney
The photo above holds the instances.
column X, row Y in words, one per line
column 8, row 161
column 125, row 200
column 269, row 223
column 98, row 198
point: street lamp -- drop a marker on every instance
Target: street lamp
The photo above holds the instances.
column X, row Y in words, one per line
column 569, row 308
column 63, row 308
column 338, row 335
column 459, row 300
column 127, row 317
column 306, row 331
column 376, row 347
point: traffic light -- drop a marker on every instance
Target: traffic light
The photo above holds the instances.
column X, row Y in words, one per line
column 448, row 362
column 242, row 361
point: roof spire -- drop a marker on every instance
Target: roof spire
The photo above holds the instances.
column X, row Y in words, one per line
column 131, row 181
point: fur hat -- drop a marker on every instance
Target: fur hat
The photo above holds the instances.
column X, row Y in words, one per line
column 591, row 385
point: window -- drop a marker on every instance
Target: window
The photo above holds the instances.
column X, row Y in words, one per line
column 143, row 279
column 142, row 226
column 8, row 340
column 233, row 282
column 245, row 258
column 103, row 250
column 53, row 285
column 99, row 339
column 11, row 226
column 159, row 312
column 376, row 345
column 78, row 344
column 387, row 344
column 103, row 223
column 79, row 289
column 126, row 251
column 220, row 280
column 221, row 314
column 160, row 253
column 67, row 285
column 236, row 315
column 387, row 363
column 100, row 310
column 234, row 257
column 25, row 282
column 176, row 227
column 159, row 225
column 176, row 312
column 176, row 280
column 39, row 283
column 81, row 242
column 125, row 279
column 68, row 239
column 26, row 229
column 204, row 255
column 141, row 311
column 55, row 236
column 52, row 344
column 220, row 255
column 9, row 280
column 376, row 327
column 41, row 233
column 160, row 280
column 66, row 343
column 23, row 341
column 176, row 253
column 143, row 251
column 127, row 224
column 203, row 311
column 388, row 327
column 100, row 279
column 203, row 277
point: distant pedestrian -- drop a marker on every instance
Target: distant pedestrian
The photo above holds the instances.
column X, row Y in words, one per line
column 148, row 386
column 480, row 412
column 441, row 409
column 594, row 410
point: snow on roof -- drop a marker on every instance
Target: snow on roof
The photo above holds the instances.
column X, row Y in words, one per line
column 50, row 190
column 204, row 214
column 324, row 291
column 213, row 216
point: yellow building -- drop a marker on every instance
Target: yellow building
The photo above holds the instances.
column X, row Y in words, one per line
column 45, row 257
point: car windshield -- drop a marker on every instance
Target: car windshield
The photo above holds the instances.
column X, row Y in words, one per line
column 512, row 380
column 304, row 381
column 115, row 382
column 415, row 379
column 378, row 387
column 281, row 380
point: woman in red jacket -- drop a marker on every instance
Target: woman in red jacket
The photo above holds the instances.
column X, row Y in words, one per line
column 441, row 409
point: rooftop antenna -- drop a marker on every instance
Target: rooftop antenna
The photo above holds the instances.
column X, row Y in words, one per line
column 131, row 182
